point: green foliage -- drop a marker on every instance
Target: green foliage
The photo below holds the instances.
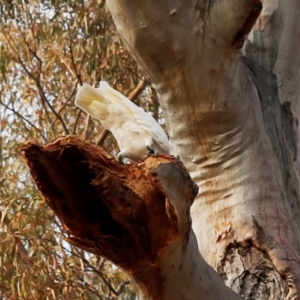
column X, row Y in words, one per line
column 47, row 49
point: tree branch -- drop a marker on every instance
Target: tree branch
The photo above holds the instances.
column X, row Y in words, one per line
column 76, row 122
column 116, row 210
column 36, row 77
column 99, row 273
column 67, row 101
column 138, row 89
column 26, row 120
column 78, row 76
column 104, row 134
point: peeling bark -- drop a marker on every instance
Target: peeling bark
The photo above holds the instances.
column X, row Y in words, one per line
column 257, row 278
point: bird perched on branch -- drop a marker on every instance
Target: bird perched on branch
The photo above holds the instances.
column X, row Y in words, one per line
column 136, row 131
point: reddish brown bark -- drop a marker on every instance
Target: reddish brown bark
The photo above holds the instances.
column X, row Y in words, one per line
column 118, row 211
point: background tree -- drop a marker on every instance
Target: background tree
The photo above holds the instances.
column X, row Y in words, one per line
column 232, row 117
column 48, row 49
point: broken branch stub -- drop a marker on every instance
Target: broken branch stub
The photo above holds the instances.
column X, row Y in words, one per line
column 129, row 214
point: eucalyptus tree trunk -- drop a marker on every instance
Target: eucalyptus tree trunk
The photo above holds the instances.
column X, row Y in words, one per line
column 231, row 104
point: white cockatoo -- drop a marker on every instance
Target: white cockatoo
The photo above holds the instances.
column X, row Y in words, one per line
column 136, row 131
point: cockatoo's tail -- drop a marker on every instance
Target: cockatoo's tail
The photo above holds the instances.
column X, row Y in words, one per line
column 136, row 131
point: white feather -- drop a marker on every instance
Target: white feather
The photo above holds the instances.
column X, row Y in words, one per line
column 135, row 130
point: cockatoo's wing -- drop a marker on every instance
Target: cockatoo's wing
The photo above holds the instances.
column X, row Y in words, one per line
column 98, row 103
column 116, row 97
column 157, row 133
column 145, row 120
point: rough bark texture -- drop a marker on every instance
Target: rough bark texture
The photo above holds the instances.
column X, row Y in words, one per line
column 232, row 118
column 135, row 215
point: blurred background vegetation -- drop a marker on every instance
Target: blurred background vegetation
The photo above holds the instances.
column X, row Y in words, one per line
column 47, row 50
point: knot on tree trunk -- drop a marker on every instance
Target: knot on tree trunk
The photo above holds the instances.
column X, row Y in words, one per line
column 129, row 214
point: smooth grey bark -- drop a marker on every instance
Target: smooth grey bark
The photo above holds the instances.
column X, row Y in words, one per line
column 232, row 117
column 273, row 60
